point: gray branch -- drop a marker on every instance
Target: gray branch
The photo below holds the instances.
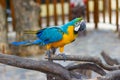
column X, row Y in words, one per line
column 113, row 75
column 87, row 66
column 42, row 66
column 95, row 60
column 109, row 60
column 64, row 73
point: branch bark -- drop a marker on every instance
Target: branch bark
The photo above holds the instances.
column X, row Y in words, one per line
column 95, row 60
column 63, row 73
column 87, row 66
column 109, row 60
column 113, row 75
column 43, row 66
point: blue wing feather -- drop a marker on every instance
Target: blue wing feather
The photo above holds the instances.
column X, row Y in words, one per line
column 49, row 35
column 45, row 36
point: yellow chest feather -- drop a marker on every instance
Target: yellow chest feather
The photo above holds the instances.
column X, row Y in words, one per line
column 67, row 38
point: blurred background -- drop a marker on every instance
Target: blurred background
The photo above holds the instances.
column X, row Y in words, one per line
column 18, row 16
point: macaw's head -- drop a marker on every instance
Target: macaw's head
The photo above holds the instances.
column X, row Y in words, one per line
column 80, row 25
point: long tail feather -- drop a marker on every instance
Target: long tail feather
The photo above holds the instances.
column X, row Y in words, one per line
column 20, row 43
column 28, row 43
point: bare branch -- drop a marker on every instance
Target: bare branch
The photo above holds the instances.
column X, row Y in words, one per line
column 108, row 59
column 88, row 66
column 95, row 60
column 64, row 73
column 113, row 75
column 77, row 58
column 43, row 66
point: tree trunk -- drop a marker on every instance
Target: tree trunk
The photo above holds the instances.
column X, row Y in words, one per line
column 26, row 18
column 3, row 31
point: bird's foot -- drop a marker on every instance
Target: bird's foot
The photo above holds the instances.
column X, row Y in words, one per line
column 48, row 53
column 63, row 55
column 53, row 50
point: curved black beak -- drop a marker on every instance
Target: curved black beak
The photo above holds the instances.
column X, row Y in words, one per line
column 82, row 26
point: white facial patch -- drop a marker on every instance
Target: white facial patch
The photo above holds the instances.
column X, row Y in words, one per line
column 78, row 25
column 77, row 28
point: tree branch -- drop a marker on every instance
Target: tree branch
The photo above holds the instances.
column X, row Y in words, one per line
column 49, row 67
column 95, row 60
column 113, row 75
column 109, row 60
column 43, row 66
column 87, row 66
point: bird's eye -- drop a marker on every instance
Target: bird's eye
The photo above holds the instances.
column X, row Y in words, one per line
column 77, row 24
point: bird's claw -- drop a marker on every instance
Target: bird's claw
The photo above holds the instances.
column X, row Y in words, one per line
column 48, row 53
column 63, row 55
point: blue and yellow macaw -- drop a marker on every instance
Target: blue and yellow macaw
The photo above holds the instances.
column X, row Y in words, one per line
column 56, row 37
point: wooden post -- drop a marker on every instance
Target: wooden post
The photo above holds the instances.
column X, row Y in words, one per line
column 110, row 11
column 69, row 10
column 63, row 15
column 40, row 19
column 47, row 8
column 55, row 12
column 13, row 15
column 3, row 3
column 104, row 10
column 96, row 13
column 87, row 12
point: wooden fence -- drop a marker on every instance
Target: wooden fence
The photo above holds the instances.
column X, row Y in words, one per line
column 54, row 2
column 106, row 9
